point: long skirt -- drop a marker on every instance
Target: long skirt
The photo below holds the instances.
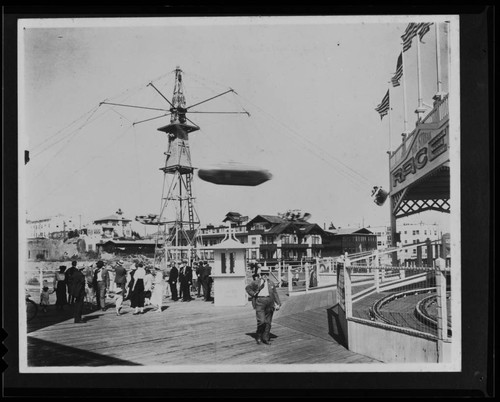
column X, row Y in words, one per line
column 137, row 296
column 61, row 299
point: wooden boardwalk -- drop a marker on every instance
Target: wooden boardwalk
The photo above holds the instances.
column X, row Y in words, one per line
column 185, row 335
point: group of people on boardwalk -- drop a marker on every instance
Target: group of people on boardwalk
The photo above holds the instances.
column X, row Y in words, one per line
column 145, row 285
column 181, row 280
column 70, row 287
column 63, row 285
column 141, row 284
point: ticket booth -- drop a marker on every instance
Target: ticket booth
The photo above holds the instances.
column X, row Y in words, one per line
column 229, row 273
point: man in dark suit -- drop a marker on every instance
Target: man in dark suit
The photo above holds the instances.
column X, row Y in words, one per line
column 265, row 300
column 206, row 280
column 69, row 281
column 172, row 281
column 120, row 276
column 185, row 280
column 78, row 292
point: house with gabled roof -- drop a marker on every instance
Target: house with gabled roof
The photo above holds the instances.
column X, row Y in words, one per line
column 235, row 218
column 276, row 238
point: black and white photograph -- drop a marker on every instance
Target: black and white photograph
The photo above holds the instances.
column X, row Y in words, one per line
column 250, row 194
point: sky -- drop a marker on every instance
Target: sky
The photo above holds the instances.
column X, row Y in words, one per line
column 310, row 85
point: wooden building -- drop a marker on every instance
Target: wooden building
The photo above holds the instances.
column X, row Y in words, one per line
column 348, row 240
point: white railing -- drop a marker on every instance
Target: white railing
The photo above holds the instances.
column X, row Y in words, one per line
column 405, row 298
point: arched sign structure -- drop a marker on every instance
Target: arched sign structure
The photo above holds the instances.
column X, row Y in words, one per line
column 420, row 167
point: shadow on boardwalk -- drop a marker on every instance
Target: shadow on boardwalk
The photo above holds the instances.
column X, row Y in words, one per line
column 44, row 353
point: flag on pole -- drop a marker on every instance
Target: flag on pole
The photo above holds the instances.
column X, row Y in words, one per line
column 399, row 71
column 383, row 107
column 411, row 31
column 423, row 28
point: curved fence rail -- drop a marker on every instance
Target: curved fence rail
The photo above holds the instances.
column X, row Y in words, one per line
column 406, row 298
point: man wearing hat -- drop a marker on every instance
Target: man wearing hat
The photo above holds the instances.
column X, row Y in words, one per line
column 120, row 276
column 265, row 300
column 78, row 292
column 185, row 280
column 172, row 280
column 101, row 284
column 69, row 278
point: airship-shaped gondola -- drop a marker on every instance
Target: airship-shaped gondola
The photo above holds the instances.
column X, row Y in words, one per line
column 235, row 174
column 379, row 195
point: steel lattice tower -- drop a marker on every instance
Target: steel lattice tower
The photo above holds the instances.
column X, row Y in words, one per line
column 177, row 214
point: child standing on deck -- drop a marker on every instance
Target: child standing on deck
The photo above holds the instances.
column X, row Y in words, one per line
column 44, row 298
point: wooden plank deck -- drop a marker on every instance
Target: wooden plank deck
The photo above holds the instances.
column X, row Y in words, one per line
column 186, row 334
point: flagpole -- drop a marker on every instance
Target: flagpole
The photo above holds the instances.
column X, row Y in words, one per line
column 390, row 118
column 448, row 45
column 404, row 92
column 438, row 59
column 420, row 109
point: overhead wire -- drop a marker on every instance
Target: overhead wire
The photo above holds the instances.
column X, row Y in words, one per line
column 359, row 180
column 72, row 135
column 354, row 177
column 83, row 166
column 32, row 148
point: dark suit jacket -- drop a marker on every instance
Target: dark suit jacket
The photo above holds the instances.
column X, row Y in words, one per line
column 206, row 271
column 120, row 275
column 253, row 290
column 187, row 276
column 69, row 274
column 78, row 284
column 174, row 274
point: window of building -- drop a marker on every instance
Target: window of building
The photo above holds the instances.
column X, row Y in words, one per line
column 254, row 241
column 288, row 239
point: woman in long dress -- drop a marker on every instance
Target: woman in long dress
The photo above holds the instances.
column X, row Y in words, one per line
column 137, row 291
column 60, row 287
column 158, row 289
